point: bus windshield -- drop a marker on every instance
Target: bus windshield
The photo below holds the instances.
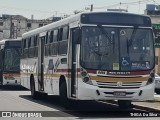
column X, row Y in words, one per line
column 113, row 48
column 12, row 59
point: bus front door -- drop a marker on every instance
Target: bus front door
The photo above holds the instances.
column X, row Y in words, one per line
column 74, row 64
column 41, row 63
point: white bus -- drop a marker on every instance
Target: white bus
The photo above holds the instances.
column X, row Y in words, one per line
column 10, row 52
column 91, row 56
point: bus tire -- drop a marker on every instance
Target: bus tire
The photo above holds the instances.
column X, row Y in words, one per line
column 63, row 95
column 34, row 93
column 125, row 104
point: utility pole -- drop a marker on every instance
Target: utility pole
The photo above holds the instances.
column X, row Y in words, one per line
column 91, row 8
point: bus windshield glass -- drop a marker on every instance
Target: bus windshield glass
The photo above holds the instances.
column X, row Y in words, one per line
column 12, row 59
column 120, row 49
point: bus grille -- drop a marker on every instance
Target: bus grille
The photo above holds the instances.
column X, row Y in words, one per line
column 124, row 85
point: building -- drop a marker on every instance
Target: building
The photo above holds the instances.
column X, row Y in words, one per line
column 154, row 12
column 13, row 26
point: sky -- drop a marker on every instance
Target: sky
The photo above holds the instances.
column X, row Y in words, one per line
column 42, row 9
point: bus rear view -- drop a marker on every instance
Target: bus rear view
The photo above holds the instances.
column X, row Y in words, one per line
column 10, row 53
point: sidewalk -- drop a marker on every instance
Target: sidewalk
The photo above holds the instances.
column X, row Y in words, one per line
column 153, row 105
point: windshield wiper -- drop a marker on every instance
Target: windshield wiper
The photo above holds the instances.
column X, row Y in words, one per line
column 129, row 41
column 105, row 33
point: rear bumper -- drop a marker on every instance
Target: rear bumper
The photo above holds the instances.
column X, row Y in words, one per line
column 11, row 82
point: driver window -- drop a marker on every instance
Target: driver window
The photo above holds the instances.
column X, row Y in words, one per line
column 140, row 46
column 94, row 44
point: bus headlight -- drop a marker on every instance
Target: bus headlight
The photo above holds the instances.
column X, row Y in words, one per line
column 87, row 80
column 150, row 81
column 85, row 76
column 83, row 73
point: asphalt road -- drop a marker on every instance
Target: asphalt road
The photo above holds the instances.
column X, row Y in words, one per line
column 18, row 100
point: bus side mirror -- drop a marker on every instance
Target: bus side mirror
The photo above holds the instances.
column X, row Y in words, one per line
column 76, row 36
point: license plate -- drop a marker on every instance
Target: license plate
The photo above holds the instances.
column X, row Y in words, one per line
column 119, row 93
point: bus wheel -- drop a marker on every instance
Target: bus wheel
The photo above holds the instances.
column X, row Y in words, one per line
column 125, row 104
column 34, row 93
column 63, row 95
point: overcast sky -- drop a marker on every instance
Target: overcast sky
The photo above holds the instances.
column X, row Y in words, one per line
column 42, row 9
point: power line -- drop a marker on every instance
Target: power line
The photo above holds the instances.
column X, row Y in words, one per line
column 125, row 3
column 136, row 2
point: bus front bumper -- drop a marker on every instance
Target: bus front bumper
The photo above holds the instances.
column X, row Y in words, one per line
column 91, row 92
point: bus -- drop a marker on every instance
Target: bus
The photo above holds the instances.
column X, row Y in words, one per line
column 10, row 52
column 91, row 56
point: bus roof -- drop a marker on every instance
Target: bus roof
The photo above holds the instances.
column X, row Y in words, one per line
column 52, row 25
column 4, row 40
column 67, row 20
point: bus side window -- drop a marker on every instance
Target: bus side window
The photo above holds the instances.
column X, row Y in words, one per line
column 36, row 46
column 50, row 42
column 65, row 33
column 25, row 54
column 60, row 34
column 35, row 40
column 1, row 59
column 23, row 46
column 46, row 42
column 47, row 38
column 24, row 43
column 54, row 45
column 32, row 41
column 31, row 47
column 55, row 35
column 29, row 42
column 63, row 43
column 51, row 37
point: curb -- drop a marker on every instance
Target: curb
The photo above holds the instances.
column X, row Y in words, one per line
column 139, row 107
column 146, row 108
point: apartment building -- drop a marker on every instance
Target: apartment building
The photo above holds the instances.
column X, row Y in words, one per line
column 13, row 26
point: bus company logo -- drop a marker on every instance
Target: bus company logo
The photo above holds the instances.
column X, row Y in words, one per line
column 21, row 114
column 6, row 114
column 119, row 84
